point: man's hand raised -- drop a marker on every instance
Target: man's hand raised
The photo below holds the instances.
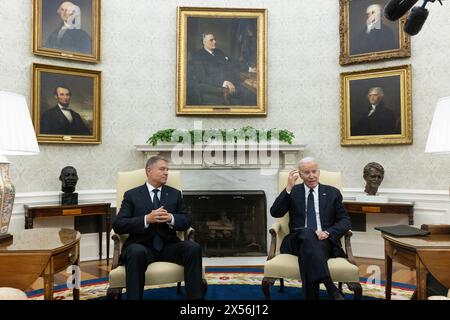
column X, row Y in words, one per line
column 293, row 176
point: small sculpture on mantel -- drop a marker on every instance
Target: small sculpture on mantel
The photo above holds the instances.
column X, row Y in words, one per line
column 68, row 178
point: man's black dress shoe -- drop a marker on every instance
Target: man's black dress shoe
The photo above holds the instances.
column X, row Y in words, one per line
column 335, row 295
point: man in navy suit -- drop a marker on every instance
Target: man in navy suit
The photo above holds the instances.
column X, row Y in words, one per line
column 317, row 221
column 151, row 214
column 61, row 119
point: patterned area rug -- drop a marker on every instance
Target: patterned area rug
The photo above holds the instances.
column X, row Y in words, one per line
column 228, row 284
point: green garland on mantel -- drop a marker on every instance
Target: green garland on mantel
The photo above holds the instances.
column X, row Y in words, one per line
column 248, row 133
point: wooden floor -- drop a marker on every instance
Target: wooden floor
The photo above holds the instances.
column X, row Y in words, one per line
column 367, row 268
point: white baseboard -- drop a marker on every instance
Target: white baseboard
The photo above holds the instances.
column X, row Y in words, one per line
column 89, row 246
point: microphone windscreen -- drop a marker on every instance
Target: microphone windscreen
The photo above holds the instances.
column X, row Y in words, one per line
column 395, row 9
column 415, row 20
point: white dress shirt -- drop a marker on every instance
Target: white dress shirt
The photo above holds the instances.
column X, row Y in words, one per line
column 66, row 113
column 316, row 205
column 372, row 110
column 152, row 194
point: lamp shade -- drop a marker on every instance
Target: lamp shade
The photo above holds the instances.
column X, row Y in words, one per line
column 439, row 135
column 17, row 136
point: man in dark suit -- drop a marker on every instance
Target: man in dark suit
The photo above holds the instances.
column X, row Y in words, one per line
column 213, row 78
column 378, row 119
column 61, row 119
column 317, row 221
column 151, row 214
column 375, row 36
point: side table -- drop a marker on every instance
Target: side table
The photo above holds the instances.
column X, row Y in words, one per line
column 40, row 252
column 89, row 209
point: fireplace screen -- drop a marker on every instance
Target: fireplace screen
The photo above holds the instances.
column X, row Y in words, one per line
column 229, row 223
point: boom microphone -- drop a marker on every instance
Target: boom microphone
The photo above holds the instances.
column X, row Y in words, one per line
column 415, row 20
column 395, row 9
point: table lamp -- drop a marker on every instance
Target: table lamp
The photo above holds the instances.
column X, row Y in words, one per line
column 17, row 137
column 439, row 136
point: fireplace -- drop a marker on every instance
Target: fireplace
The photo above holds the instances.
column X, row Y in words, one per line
column 229, row 223
column 246, row 169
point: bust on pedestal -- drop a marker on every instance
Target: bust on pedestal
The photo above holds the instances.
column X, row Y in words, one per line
column 373, row 174
column 68, row 178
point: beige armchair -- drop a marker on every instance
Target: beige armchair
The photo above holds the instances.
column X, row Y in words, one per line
column 158, row 272
column 280, row 266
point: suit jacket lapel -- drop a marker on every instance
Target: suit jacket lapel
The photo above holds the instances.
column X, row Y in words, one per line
column 164, row 195
column 146, row 197
column 322, row 201
column 302, row 205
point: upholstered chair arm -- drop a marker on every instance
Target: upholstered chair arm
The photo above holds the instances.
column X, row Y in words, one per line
column 189, row 234
column 117, row 250
column 348, row 247
column 274, row 230
column 186, row 235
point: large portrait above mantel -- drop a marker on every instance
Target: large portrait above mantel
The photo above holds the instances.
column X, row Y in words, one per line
column 366, row 35
column 221, row 61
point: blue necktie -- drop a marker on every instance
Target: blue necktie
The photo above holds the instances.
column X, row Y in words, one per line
column 311, row 212
column 157, row 241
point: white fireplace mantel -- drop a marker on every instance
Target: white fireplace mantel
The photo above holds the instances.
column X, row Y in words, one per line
column 231, row 156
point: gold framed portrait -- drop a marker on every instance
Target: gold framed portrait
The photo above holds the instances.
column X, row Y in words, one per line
column 366, row 35
column 67, row 29
column 66, row 104
column 221, row 61
column 376, row 107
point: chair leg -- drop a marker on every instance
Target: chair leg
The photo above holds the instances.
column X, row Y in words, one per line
column 340, row 288
column 178, row 287
column 356, row 288
column 281, row 285
column 266, row 284
column 114, row 294
column 205, row 287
